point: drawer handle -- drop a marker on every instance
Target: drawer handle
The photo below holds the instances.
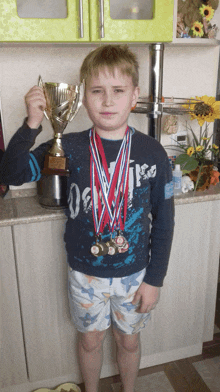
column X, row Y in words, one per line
column 101, row 8
column 81, row 18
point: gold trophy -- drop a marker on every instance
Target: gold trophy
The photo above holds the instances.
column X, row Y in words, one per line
column 63, row 102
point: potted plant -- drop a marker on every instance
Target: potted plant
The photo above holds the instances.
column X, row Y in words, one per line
column 195, row 159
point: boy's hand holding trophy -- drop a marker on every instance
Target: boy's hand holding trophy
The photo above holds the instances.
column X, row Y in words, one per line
column 60, row 102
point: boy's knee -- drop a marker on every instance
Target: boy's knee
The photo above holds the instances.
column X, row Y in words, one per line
column 127, row 342
column 92, row 341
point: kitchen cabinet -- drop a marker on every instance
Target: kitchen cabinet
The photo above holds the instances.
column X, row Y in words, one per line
column 42, row 276
column 157, row 27
column 182, row 321
column 140, row 21
column 18, row 29
column 12, row 353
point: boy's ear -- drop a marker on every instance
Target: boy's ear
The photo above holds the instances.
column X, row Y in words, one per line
column 135, row 95
column 84, row 100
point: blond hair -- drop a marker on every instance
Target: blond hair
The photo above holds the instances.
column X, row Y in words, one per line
column 110, row 56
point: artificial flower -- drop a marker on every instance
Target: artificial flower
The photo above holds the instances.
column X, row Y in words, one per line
column 214, row 177
column 207, row 12
column 197, row 29
column 196, row 158
column 199, row 148
column 207, row 110
column 190, row 151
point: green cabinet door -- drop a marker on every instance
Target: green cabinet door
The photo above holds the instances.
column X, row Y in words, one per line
column 21, row 29
column 132, row 21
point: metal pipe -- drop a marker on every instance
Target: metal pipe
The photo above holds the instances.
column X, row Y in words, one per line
column 155, row 89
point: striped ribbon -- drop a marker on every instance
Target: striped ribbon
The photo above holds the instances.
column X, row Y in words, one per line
column 111, row 191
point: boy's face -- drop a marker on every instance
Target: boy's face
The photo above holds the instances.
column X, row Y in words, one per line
column 108, row 99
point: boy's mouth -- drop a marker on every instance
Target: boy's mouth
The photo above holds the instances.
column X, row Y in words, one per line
column 107, row 113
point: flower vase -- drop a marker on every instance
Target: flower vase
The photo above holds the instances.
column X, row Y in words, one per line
column 205, row 176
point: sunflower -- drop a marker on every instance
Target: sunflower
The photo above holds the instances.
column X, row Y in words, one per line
column 207, row 12
column 208, row 110
column 215, row 147
column 190, row 151
column 199, row 148
column 197, row 29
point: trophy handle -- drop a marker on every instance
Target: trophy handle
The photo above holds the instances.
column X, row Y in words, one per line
column 78, row 103
column 41, row 84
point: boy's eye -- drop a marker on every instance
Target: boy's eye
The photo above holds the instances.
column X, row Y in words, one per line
column 96, row 91
column 118, row 90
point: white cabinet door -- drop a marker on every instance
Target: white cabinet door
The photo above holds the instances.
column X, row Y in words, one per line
column 12, row 356
column 182, row 320
column 50, row 337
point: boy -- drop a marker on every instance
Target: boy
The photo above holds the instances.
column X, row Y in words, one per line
column 116, row 263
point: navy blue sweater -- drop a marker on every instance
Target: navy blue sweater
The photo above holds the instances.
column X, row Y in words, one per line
column 150, row 215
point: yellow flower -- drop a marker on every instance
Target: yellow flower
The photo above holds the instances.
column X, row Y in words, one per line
column 207, row 12
column 197, row 29
column 199, row 148
column 205, row 138
column 190, row 151
column 208, row 110
column 215, row 147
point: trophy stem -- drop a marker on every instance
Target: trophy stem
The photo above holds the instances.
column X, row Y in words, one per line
column 57, row 149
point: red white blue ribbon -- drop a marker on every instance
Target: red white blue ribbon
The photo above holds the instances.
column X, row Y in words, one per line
column 112, row 191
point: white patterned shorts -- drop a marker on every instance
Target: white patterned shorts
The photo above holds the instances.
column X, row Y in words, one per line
column 96, row 303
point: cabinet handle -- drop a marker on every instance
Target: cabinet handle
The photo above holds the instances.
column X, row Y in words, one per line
column 81, row 18
column 101, row 10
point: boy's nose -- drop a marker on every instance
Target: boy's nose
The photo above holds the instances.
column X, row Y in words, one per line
column 108, row 99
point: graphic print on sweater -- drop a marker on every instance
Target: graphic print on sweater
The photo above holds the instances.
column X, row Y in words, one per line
column 137, row 174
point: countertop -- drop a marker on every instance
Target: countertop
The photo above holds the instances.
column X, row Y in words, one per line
column 20, row 210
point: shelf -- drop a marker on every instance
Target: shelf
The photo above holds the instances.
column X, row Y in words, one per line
column 194, row 42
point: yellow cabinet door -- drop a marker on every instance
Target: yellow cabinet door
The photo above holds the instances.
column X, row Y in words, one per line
column 157, row 28
column 14, row 28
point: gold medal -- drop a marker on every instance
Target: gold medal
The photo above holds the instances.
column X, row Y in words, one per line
column 112, row 247
column 99, row 248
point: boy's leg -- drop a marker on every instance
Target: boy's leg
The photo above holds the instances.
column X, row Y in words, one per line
column 127, row 324
column 90, row 358
column 128, row 358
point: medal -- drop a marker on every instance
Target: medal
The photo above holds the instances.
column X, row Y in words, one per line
column 120, row 240
column 109, row 194
column 99, row 248
column 123, row 248
column 121, row 243
column 112, row 247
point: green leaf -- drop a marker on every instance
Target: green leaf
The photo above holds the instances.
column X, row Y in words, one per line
column 195, row 138
column 186, row 162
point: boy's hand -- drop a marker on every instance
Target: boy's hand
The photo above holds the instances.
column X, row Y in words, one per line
column 148, row 296
column 36, row 104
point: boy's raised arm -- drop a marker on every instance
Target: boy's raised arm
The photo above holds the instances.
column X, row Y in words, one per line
column 36, row 104
column 19, row 165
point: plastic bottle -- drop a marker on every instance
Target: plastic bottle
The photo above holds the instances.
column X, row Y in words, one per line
column 177, row 180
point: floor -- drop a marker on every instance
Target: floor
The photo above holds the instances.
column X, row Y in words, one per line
column 196, row 374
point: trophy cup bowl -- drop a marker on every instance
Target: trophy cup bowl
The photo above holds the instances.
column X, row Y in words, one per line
column 63, row 102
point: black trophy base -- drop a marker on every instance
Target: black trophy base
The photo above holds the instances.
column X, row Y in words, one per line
column 51, row 190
